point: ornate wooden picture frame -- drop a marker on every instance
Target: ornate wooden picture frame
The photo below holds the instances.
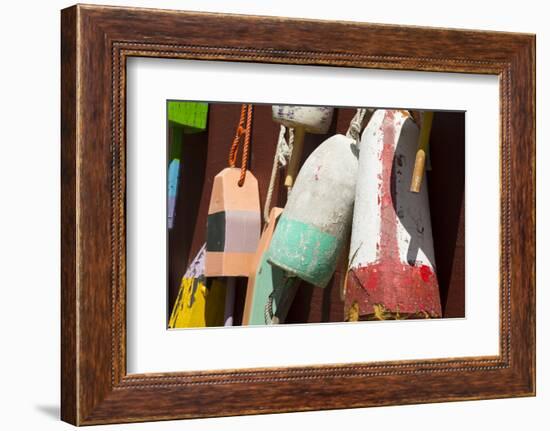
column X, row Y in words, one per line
column 96, row 41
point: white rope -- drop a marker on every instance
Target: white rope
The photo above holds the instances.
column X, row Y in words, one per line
column 282, row 155
column 284, row 148
column 356, row 124
column 268, row 310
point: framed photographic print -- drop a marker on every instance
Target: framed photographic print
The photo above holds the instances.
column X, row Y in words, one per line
column 310, row 210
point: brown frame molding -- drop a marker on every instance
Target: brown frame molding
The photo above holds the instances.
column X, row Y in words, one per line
column 95, row 43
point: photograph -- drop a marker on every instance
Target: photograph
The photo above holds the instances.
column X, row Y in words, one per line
column 294, row 214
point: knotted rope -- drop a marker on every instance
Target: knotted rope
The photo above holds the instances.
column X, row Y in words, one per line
column 356, row 125
column 242, row 133
column 270, row 318
column 282, row 155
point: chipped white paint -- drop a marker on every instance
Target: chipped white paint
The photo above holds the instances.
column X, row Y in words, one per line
column 366, row 218
column 309, row 237
column 412, row 215
column 314, row 119
column 325, row 187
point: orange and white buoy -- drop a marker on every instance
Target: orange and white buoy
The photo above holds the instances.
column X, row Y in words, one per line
column 391, row 262
column 234, row 224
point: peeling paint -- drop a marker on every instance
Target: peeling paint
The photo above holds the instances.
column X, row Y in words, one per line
column 393, row 273
column 309, row 237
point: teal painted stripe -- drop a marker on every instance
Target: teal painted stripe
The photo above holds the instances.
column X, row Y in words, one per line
column 304, row 250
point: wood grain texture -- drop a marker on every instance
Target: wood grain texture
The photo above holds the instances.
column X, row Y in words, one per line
column 96, row 41
column 69, row 395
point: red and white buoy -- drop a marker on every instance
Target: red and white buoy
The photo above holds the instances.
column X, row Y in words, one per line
column 391, row 261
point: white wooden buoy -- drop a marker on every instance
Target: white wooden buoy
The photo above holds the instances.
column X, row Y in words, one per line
column 310, row 234
column 310, row 119
column 391, row 259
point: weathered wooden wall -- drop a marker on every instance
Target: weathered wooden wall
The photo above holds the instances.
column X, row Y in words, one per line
column 205, row 154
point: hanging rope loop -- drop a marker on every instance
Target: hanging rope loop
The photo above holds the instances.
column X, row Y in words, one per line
column 242, row 133
column 356, row 125
column 282, row 155
column 284, row 147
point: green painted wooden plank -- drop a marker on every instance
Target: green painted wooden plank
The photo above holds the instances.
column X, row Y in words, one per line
column 191, row 116
column 183, row 118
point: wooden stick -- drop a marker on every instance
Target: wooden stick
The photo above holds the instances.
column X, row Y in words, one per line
column 421, row 152
column 296, row 156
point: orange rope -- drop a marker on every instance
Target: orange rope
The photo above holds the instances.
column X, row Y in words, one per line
column 246, row 146
column 243, row 129
column 236, row 139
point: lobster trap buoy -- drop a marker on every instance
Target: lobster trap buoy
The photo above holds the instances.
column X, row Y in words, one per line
column 233, row 225
column 200, row 301
column 310, row 119
column 233, row 222
column 270, row 290
column 312, row 229
column 391, row 259
column 183, row 118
